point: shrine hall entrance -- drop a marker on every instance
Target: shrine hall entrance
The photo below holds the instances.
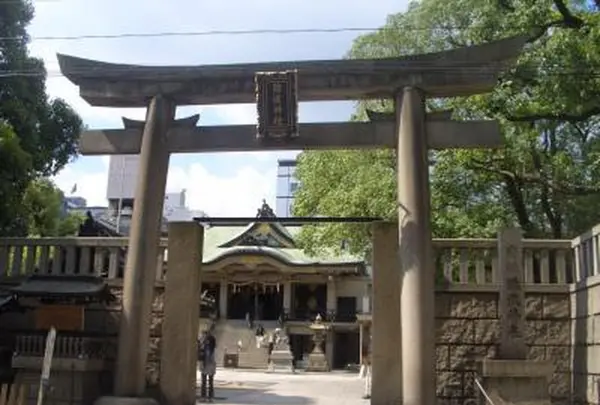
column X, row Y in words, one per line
column 309, row 300
column 347, row 349
column 263, row 302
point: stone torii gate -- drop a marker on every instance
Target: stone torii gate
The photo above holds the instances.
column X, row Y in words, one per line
column 406, row 80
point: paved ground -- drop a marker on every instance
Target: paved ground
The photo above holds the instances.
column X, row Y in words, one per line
column 258, row 387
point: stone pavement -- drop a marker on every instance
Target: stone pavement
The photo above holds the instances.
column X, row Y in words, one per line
column 234, row 387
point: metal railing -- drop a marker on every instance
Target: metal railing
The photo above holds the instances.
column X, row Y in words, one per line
column 82, row 347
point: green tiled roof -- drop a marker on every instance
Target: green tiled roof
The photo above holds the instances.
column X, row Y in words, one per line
column 216, row 237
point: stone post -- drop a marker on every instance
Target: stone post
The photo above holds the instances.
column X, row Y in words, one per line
column 512, row 297
column 140, row 267
column 223, row 297
column 386, row 355
column 181, row 322
column 510, row 378
column 416, row 253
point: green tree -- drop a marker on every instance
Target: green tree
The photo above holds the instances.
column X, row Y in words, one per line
column 15, row 167
column 545, row 178
column 69, row 225
column 47, row 129
column 43, row 205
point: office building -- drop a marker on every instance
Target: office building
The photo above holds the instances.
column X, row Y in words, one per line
column 286, row 187
column 120, row 193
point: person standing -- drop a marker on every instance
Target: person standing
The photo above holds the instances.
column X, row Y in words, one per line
column 365, row 369
column 260, row 336
column 249, row 320
column 271, row 341
column 365, row 372
column 208, row 365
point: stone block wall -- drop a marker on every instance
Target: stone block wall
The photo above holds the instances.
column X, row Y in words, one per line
column 467, row 331
column 585, row 303
column 153, row 367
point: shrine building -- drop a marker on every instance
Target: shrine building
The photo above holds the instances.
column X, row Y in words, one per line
column 258, row 271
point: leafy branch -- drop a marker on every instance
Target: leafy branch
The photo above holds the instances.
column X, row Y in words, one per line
column 567, row 20
column 556, row 116
column 532, row 178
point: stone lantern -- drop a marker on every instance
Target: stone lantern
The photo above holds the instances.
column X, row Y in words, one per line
column 317, row 360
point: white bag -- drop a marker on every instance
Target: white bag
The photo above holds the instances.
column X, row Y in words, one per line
column 259, row 341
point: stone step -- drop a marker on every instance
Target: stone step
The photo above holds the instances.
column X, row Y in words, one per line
column 229, row 332
column 254, row 358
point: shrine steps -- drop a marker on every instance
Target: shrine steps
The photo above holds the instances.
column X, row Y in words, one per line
column 229, row 332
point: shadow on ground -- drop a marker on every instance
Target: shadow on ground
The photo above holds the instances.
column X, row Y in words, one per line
column 254, row 396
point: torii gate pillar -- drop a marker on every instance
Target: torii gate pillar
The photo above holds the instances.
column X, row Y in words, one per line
column 416, row 253
column 140, row 267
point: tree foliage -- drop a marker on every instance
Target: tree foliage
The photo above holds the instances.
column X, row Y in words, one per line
column 43, row 205
column 46, row 130
column 69, row 224
column 546, row 178
column 15, row 166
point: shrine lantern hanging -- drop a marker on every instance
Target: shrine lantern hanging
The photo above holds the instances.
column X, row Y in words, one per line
column 277, row 105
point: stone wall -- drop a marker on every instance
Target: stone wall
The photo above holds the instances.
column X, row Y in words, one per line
column 467, row 331
column 585, row 303
column 153, row 367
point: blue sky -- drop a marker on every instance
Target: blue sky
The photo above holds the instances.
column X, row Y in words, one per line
column 220, row 184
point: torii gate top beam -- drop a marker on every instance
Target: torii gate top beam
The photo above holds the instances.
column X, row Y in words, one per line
column 458, row 72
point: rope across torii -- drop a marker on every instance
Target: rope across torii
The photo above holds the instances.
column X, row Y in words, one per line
column 289, row 221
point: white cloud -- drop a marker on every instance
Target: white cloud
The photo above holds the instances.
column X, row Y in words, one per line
column 90, row 185
column 237, row 195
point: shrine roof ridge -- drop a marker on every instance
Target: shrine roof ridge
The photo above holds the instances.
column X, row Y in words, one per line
column 456, row 72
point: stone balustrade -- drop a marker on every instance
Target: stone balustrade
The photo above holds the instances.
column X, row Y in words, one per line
column 458, row 261
column 103, row 257
column 475, row 261
column 586, row 255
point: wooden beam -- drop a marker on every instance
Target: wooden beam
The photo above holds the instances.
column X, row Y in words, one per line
column 335, row 135
column 457, row 72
